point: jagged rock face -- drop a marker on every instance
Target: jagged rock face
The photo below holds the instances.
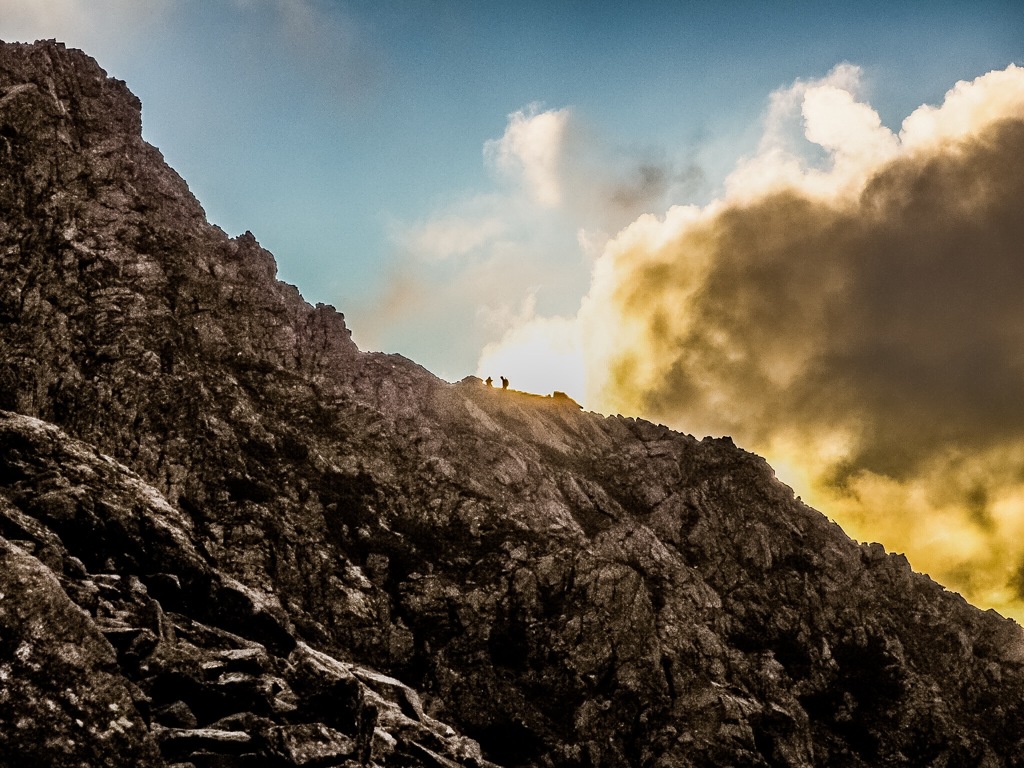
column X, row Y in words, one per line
column 103, row 668
column 303, row 525
column 89, row 719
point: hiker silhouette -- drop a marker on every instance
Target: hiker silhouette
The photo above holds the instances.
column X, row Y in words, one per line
column 489, row 382
column 504, row 383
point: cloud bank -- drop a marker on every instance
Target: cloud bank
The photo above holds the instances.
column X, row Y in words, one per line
column 853, row 308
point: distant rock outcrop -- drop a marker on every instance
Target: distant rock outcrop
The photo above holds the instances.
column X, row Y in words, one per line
column 230, row 538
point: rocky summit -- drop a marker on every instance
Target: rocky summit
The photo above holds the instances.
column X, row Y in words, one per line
column 230, row 538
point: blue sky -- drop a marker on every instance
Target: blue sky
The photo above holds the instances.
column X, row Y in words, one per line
column 334, row 129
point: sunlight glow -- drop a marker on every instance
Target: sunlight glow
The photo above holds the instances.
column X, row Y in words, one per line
column 542, row 355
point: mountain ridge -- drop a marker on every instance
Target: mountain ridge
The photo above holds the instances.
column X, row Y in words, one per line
column 298, row 553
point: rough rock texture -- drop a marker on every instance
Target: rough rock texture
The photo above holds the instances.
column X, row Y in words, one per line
column 89, row 717
column 258, row 545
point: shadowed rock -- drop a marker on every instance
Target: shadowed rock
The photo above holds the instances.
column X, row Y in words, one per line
column 63, row 699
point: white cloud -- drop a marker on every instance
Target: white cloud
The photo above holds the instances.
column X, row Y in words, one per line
column 817, row 137
column 537, row 354
column 850, row 130
column 531, row 150
column 996, row 95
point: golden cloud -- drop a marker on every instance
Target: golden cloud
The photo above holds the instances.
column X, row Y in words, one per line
column 861, row 322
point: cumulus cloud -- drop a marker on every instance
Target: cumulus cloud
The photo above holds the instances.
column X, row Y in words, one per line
column 531, row 149
column 853, row 309
column 817, row 136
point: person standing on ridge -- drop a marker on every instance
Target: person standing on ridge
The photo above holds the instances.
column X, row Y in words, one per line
column 489, row 382
column 504, row 383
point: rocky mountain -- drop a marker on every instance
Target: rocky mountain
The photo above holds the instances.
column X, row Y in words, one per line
column 230, row 538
